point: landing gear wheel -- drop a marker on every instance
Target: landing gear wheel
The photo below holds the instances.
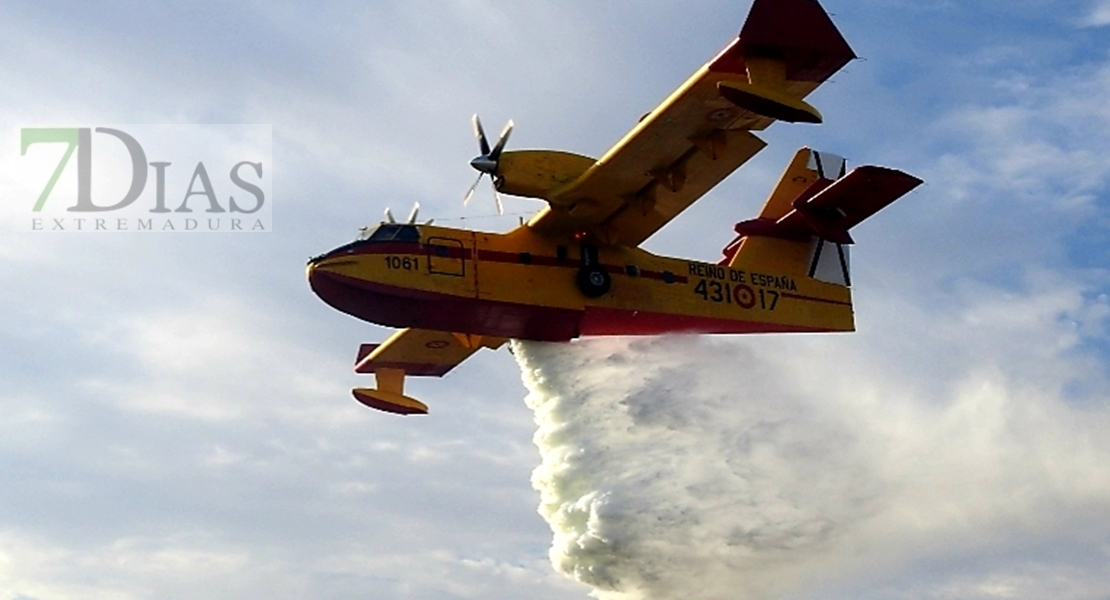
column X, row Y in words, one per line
column 594, row 281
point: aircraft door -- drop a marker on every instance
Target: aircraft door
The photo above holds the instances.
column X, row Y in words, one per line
column 450, row 264
column 446, row 257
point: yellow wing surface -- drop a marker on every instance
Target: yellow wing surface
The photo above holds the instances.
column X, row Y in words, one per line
column 694, row 139
column 412, row 352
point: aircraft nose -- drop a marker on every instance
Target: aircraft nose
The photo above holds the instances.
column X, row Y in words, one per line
column 319, row 257
column 320, row 280
column 313, row 263
column 325, row 266
column 317, row 268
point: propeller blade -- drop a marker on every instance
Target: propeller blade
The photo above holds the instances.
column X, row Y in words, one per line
column 487, row 161
column 473, row 186
column 501, row 141
column 483, row 144
column 415, row 211
column 389, row 216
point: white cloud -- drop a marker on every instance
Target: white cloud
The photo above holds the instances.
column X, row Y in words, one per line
column 204, row 565
column 1034, row 144
column 1099, row 15
column 215, row 359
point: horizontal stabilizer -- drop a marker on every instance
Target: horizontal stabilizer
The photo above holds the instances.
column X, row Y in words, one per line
column 838, row 207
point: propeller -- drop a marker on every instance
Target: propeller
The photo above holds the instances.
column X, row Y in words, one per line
column 486, row 163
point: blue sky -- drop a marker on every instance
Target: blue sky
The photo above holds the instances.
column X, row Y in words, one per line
column 177, row 416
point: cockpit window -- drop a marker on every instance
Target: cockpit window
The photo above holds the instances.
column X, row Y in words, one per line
column 386, row 232
column 390, row 232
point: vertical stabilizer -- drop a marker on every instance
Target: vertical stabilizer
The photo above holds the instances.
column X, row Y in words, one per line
column 807, row 174
column 803, row 227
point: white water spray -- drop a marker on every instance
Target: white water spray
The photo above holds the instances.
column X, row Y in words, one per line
column 682, row 468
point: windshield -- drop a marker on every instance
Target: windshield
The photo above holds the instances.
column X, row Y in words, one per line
column 386, row 232
column 390, row 232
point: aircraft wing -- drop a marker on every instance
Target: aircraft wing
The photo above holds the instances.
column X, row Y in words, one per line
column 702, row 132
column 419, row 352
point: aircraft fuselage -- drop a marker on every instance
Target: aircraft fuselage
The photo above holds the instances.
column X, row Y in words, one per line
column 522, row 285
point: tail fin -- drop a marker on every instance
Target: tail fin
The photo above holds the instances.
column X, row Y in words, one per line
column 807, row 174
column 810, row 211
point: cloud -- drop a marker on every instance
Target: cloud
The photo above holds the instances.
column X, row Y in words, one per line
column 207, row 564
column 1099, row 15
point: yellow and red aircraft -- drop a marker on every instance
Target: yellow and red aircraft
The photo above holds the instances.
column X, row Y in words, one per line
column 576, row 268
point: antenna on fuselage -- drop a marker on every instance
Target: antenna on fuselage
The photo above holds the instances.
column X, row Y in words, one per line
column 412, row 216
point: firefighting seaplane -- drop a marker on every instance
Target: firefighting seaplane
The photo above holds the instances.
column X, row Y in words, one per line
column 577, row 269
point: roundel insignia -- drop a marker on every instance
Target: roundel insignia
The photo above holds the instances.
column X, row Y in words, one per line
column 744, row 296
column 720, row 115
column 437, row 344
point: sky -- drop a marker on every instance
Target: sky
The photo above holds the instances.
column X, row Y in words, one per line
column 177, row 416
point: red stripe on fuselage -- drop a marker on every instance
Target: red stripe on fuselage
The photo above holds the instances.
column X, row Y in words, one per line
column 814, row 299
column 524, row 258
column 498, row 256
column 553, row 261
column 611, row 321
